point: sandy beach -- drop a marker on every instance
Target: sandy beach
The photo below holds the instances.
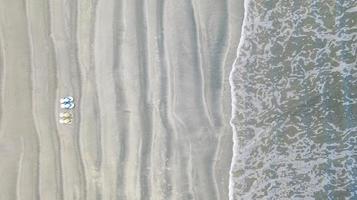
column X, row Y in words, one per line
column 153, row 102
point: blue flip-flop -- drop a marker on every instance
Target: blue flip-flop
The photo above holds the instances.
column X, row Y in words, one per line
column 68, row 105
column 67, row 99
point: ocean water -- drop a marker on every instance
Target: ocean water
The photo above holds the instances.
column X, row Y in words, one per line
column 294, row 91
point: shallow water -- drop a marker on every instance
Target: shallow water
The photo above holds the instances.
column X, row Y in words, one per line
column 294, row 90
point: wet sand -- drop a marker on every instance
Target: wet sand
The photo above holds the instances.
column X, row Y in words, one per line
column 150, row 82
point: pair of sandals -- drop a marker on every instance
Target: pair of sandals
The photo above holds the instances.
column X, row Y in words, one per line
column 66, row 103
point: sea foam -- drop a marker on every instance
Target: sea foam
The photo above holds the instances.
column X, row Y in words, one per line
column 294, row 101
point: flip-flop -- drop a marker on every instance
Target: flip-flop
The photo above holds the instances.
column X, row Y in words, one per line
column 65, row 121
column 65, row 115
column 67, row 105
column 66, row 99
